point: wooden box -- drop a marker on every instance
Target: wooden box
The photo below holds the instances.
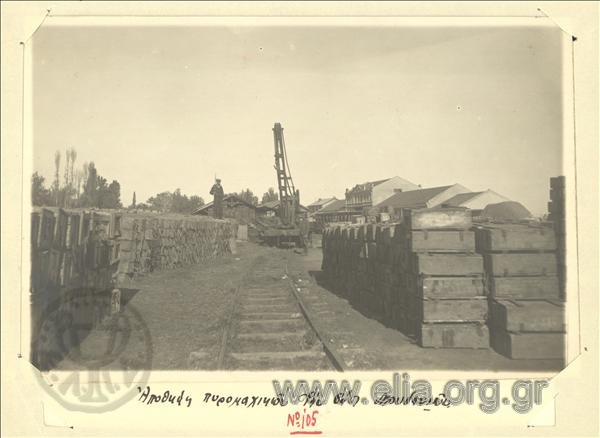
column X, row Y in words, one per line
column 527, row 316
column 529, row 345
column 515, row 264
column 462, row 335
column 439, row 241
column 546, row 287
column 514, row 237
column 450, row 310
column 446, row 287
column 447, row 264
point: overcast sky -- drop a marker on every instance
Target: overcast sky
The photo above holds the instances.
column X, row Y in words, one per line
column 160, row 108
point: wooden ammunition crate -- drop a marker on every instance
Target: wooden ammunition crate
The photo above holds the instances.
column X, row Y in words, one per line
column 446, row 287
column 527, row 288
column 514, row 237
column 435, row 218
column 439, row 241
column 529, row 345
column 527, row 316
column 517, row 264
column 449, row 310
column 446, row 264
column 461, row 335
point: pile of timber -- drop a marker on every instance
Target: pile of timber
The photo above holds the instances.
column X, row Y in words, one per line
column 71, row 250
column 556, row 214
column 152, row 242
column 527, row 318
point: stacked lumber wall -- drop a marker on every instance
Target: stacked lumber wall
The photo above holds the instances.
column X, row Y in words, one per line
column 151, row 242
column 527, row 319
column 439, row 279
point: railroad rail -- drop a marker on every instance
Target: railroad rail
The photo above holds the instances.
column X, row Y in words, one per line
column 271, row 328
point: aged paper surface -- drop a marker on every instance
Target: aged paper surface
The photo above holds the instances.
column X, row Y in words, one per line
column 569, row 404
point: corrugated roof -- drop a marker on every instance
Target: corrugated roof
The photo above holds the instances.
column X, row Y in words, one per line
column 412, row 198
column 457, row 200
column 337, row 205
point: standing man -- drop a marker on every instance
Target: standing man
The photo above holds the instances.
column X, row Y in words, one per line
column 217, row 192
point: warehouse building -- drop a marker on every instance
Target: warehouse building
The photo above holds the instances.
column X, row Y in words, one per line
column 422, row 198
column 475, row 201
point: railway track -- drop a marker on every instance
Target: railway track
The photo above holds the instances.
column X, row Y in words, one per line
column 271, row 328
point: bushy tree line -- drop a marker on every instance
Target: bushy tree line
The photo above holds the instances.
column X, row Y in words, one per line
column 172, row 202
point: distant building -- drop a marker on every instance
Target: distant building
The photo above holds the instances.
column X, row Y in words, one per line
column 234, row 207
column 422, row 198
column 334, row 212
column 272, row 207
column 363, row 196
column 320, row 203
column 475, row 201
column 267, row 208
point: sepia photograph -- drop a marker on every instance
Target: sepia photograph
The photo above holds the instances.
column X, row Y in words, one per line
column 298, row 197
column 268, row 219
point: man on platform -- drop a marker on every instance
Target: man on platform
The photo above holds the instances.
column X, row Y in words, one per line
column 217, row 192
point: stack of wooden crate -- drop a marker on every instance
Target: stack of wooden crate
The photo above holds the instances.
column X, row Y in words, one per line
column 421, row 276
column 71, row 251
column 443, row 301
column 556, row 214
column 526, row 312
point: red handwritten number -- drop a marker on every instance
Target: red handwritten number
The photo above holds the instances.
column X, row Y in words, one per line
column 300, row 420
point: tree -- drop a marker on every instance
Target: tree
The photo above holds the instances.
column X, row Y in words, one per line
column 90, row 188
column 161, row 202
column 133, row 201
column 56, row 185
column 175, row 202
column 196, row 202
column 40, row 195
column 248, row 196
column 270, row 195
